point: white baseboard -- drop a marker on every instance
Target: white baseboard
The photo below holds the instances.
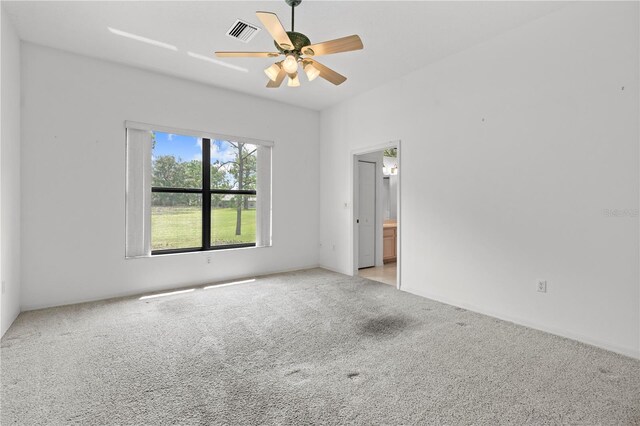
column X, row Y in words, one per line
column 4, row 329
column 135, row 293
column 630, row 352
column 332, row 269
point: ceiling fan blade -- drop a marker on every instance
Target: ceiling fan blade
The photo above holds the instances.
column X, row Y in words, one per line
column 329, row 74
column 344, row 44
column 279, row 79
column 247, row 54
column 275, row 28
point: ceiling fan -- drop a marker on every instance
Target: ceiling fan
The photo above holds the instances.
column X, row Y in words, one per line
column 298, row 51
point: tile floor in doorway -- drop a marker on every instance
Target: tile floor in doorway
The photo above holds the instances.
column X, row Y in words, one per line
column 385, row 274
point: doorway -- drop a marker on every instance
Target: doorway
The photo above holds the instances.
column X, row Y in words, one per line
column 376, row 208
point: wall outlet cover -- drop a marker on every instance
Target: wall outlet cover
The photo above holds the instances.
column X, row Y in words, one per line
column 542, row 286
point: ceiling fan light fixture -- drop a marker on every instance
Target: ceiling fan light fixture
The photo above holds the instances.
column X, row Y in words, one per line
column 311, row 71
column 297, row 50
column 272, row 71
column 290, row 64
column 294, row 81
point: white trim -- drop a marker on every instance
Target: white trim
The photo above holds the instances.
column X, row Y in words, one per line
column 328, row 268
column 353, row 229
column 137, row 165
column 200, row 252
column 195, row 133
column 264, row 207
column 138, row 193
column 399, row 214
column 199, row 284
column 630, row 352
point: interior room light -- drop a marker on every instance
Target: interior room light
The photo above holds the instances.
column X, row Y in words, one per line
column 293, row 81
column 272, row 72
column 311, row 71
column 290, row 64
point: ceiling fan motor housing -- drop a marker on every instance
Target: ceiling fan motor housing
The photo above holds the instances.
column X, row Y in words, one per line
column 299, row 40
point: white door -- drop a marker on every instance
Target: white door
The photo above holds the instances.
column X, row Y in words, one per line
column 366, row 214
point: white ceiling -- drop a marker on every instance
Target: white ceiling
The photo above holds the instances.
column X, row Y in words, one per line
column 399, row 37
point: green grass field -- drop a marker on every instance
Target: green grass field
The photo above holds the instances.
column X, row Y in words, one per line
column 181, row 227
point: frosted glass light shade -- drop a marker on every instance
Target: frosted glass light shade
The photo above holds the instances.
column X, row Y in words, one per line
column 311, row 71
column 272, row 72
column 293, row 81
column 290, row 64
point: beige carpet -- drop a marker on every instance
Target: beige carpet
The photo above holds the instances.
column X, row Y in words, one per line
column 310, row 347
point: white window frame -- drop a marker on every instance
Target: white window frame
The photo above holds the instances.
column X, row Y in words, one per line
column 139, row 182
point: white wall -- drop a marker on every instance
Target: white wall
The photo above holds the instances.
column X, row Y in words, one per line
column 10, row 174
column 73, row 176
column 511, row 152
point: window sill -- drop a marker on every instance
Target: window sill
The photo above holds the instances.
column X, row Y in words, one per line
column 196, row 252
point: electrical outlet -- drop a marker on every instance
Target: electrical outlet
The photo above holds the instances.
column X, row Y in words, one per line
column 542, row 286
column 208, row 259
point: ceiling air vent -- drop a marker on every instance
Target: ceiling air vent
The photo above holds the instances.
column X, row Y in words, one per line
column 243, row 31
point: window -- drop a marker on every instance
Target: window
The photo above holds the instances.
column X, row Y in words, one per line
column 190, row 193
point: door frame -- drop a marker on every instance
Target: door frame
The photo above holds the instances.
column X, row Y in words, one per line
column 353, row 234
